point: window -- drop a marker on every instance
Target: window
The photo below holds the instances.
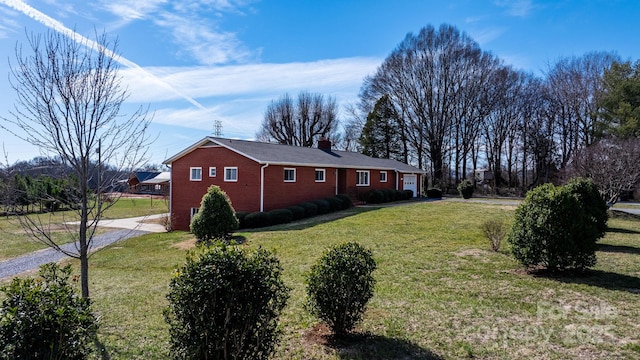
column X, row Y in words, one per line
column 195, row 174
column 289, row 175
column 362, row 178
column 212, row 171
column 383, row 176
column 230, row 174
column 320, row 175
column 194, row 211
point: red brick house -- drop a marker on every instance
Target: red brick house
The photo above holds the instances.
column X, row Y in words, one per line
column 265, row 176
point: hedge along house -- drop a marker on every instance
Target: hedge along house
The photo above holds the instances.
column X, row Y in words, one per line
column 261, row 176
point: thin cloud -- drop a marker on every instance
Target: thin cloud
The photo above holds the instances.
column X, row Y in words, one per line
column 235, row 80
column 59, row 27
column 203, row 42
column 519, row 8
column 197, row 36
column 485, row 36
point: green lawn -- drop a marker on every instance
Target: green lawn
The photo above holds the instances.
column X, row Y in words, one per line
column 14, row 241
column 440, row 291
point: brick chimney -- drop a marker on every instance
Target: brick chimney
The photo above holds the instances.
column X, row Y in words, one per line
column 324, row 144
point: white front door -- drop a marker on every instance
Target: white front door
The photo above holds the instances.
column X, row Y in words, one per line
column 410, row 182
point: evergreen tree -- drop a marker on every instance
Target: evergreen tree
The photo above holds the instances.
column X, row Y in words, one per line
column 382, row 134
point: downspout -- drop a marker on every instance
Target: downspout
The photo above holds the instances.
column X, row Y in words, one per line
column 397, row 179
column 262, row 186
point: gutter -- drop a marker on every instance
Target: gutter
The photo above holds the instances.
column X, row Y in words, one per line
column 262, row 186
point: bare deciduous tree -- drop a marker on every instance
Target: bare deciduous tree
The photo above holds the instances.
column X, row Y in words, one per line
column 612, row 163
column 434, row 78
column 300, row 123
column 69, row 98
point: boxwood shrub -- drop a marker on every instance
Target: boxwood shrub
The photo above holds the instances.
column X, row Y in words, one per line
column 310, row 209
column 323, row 206
column 407, row 194
column 280, row 216
column 554, row 228
column 297, row 212
column 257, row 220
column 241, row 215
column 374, row 197
column 334, row 203
column 434, row 193
column 346, row 201
column 224, row 303
column 339, row 286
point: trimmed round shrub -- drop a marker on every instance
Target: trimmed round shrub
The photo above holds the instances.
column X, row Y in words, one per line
column 465, row 189
column 346, row 201
column 323, row 206
column 280, row 216
column 216, row 218
column 374, row 197
column 339, row 286
column 257, row 220
column 593, row 203
column 434, row 193
column 240, row 215
column 297, row 212
column 310, row 209
column 45, row 318
column 335, row 204
column 407, row 194
column 397, row 195
column 553, row 229
column 224, row 303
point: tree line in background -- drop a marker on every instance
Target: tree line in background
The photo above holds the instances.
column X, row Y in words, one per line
column 440, row 102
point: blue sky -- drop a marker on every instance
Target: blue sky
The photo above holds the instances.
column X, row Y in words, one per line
column 197, row 61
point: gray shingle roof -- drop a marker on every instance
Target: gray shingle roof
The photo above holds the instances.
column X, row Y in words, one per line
column 278, row 154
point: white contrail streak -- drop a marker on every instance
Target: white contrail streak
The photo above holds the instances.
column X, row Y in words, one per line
column 59, row 27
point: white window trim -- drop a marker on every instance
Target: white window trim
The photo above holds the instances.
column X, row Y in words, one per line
column 294, row 175
column 324, row 175
column 358, row 172
column 212, row 169
column 191, row 173
column 194, row 211
column 225, row 173
column 385, row 176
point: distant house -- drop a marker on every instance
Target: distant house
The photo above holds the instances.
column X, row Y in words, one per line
column 265, row 176
column 149, row 182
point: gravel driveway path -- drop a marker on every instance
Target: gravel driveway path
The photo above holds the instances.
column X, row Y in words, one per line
column 32, row 261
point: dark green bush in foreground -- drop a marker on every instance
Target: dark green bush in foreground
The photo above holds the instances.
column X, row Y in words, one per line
column 45, row 318
column 558, row 227
column 224, row 303
column 323, row 206
column 335, row 203
column 340, row 285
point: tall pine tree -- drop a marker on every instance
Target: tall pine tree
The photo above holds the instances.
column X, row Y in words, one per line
column 382, row 134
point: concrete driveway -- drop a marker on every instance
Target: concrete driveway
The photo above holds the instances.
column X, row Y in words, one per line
column 126, row 228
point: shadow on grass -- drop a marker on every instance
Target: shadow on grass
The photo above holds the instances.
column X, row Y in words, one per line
column 619, row 249
column 622, row 231
column 101, row 349
column 602, row 279
column 621, row 214
column 373, row 347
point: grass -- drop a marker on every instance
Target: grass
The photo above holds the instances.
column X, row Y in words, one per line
column 440, row 292
column 14, row 242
